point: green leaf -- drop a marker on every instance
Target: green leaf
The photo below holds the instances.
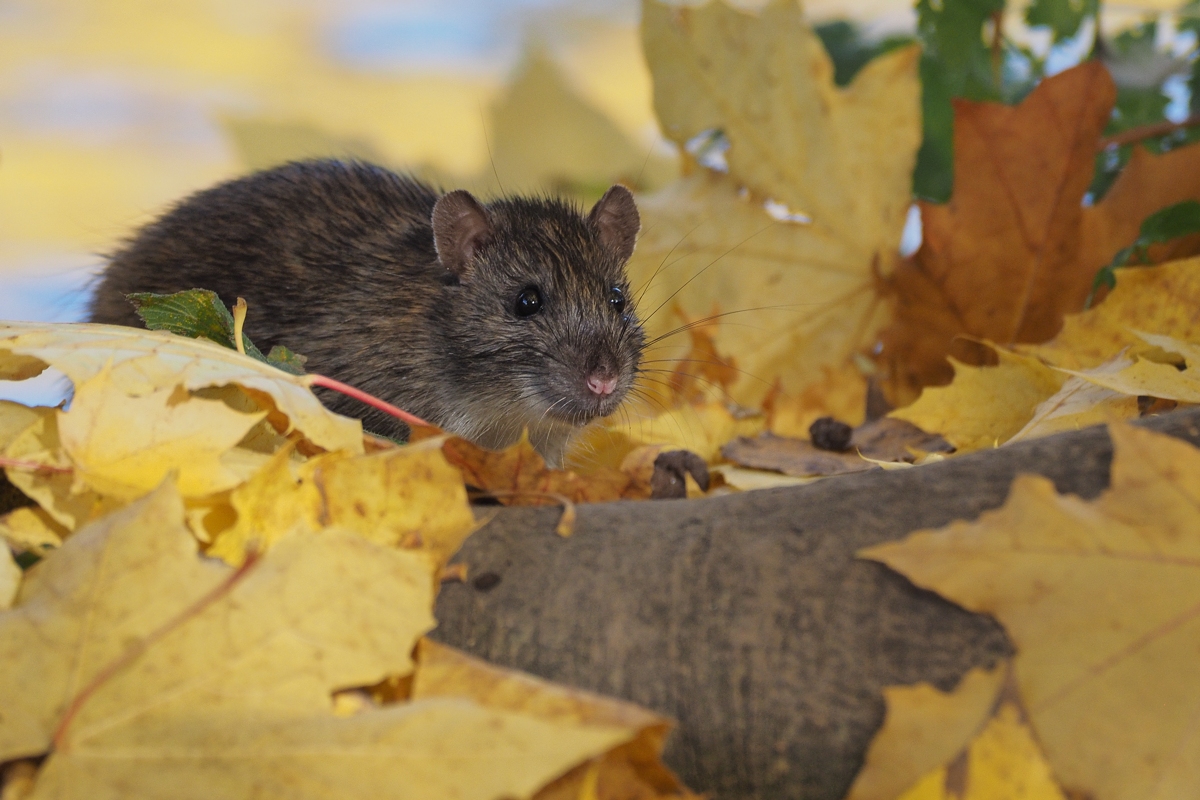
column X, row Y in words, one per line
column 286, row 360
column 957, row 62
column 200, row 314
column 1170, row 223
column 1063, row 17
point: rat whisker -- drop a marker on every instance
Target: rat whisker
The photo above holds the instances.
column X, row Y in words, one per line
column 705, row 268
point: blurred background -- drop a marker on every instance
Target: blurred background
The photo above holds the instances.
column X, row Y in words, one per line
column 112, row 109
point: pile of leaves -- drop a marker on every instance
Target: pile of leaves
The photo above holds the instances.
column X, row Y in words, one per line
column 217, row 586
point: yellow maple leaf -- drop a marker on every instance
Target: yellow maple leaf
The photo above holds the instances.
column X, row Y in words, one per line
column 125, row 649
column 1149, row 377
column 31, row 529
column 123, row 446
column 142, row 362
column 52, row 484
column 806, row 292
column 445, row 672
column 1077, row 404
column 1100, row 599
column 984, row 406
column 1003, row 762
column 923, row 729
column 134, row 577
column 10, row 578
column 703, row 429
column 406, row 496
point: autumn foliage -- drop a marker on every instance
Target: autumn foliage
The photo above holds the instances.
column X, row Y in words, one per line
column 214, row 582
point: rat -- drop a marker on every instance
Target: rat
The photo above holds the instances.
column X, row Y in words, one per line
column 485, row 319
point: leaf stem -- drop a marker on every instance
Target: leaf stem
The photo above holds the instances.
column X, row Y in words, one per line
column 369, row 399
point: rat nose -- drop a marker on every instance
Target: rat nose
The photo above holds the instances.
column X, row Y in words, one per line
column 602, row 385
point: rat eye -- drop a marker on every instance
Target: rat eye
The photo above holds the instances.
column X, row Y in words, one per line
column 616, row 299
column 529, row 302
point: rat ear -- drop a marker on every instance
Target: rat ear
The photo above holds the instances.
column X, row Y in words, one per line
column 460, row 227
column 615, row 218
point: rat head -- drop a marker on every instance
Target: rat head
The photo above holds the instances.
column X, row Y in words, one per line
column 546, row 333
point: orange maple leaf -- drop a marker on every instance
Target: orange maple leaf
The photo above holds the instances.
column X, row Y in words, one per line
column 1015, row 248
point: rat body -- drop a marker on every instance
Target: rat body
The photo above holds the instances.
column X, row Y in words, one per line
column 485, row 319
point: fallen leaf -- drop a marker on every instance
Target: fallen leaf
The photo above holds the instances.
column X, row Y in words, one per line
column 284, row 635
column 175, row 432
column 702, row 429
column 31, row 529
column 804, row 293
column 14, row 419
column 10, row 578
column 520, row 476
column 409, row 497
column 1002, row 260
column 1157, row 300
column 1100, row 600
column 747, row 480
column 53, row 489
column 840, row 393
column 1004, row 761
column 1151, row 378
column 142, row 362
column 797, row 457
column 445, row 672
column 923, row 729
column 1080, row 403
column 984, row 406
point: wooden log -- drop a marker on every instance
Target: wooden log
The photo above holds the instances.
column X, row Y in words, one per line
column 748, row 617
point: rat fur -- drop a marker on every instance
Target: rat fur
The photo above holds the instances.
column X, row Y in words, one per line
column 485, row 319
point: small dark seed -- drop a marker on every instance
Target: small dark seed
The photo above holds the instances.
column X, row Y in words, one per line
column 829, row 434
column 486, row 581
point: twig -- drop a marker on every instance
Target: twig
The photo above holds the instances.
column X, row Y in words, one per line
column 1147, row 132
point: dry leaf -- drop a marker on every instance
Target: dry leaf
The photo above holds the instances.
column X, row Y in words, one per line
column 407, row 496
column 923, row 729
column 31, row 529
column 1002, row 260
column 1148, row 183
column 445, row 672
column 804, row 293
column 984, row 406
column 1151, row 378
column 520, row 476
column 316, row 613
column 10, row 578
column 54, row 490
column 1100, row 600
column 142, row 362
column 174, row 432
column 1080, row 403
column 797, row 457
column 702, row 429
column 1003, row 762
column 1159, row 300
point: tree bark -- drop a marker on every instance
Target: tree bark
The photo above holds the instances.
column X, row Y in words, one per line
column 747, row 617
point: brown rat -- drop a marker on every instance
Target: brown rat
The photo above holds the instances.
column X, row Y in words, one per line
column 484, row 319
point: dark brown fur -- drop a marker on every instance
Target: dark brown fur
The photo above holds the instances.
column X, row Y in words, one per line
column 340, row 262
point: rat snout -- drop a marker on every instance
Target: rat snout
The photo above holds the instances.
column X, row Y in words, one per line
column 602, row 383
